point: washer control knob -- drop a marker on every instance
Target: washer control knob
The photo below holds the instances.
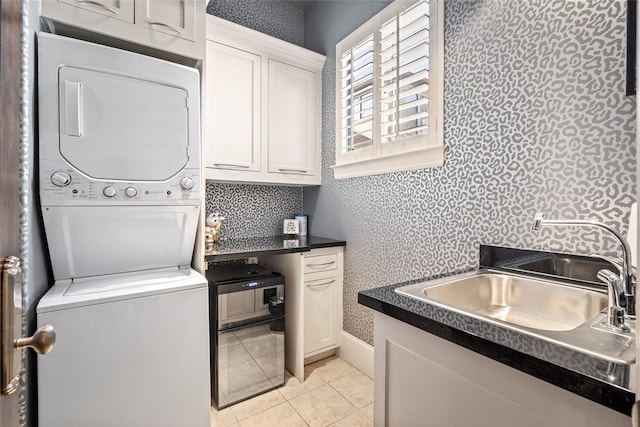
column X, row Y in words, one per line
column 60, row 179
column 109, row 191
column 130, row 192
column 186, row 183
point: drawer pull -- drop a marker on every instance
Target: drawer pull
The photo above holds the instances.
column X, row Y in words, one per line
column 321, row 284
column 97, row 3
column 172, row 28
column 321, row 264
column 231, row 165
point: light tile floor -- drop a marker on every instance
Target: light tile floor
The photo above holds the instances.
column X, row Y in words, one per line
column 334, row 393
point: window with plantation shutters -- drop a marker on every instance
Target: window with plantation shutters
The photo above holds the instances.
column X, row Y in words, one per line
column 389, row 80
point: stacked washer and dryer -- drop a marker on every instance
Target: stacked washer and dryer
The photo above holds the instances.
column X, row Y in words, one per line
column 120, row 189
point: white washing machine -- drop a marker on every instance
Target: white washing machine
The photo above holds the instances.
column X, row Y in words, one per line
column 120, row 178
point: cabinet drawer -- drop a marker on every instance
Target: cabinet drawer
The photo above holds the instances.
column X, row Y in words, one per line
column 314, row 264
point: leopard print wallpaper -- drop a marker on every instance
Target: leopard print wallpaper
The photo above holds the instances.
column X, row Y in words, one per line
column 252, row 210
column 535, row 120
column 273, row 17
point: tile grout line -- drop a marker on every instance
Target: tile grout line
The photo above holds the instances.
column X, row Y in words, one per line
column 302, row 394
column 344, row 396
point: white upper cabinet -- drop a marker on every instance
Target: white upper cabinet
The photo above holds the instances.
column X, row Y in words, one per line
column 118, row 9
column 262, row 102
column 233, row 108
column 292, row 120
column 175, row 17
column 174, row 26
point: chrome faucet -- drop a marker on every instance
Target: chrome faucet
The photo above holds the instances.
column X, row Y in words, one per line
column 626, row 279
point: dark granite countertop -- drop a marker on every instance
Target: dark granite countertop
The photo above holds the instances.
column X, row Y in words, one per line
column 272, row 245
column 557, row 365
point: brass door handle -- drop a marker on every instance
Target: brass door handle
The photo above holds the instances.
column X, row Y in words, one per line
column 11, row 327
column 41, row 341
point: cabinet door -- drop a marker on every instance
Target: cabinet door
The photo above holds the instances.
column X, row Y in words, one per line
column 233, row 108
column 321, row 302
column 292, row 119
column 175, row 17
column 117, row 9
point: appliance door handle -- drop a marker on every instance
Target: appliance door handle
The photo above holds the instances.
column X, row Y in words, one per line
column 231, row 165
column 172, row 28
column 97, row 3
column 319, row 285
column 11, row 317
column 320, row 264
column 73, row 108
column 292, row 170
column 247, row 323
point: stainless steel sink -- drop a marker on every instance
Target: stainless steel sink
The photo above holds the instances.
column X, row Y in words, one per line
column 520, row 300
column 564, row 314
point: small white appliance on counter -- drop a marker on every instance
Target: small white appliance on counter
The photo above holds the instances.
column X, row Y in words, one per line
column 119, row 152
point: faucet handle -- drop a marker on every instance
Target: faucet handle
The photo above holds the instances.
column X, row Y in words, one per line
column 617, row 301
column 614, row 283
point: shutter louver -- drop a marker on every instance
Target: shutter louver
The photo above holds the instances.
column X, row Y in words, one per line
column 357, row 96
column 404, row 74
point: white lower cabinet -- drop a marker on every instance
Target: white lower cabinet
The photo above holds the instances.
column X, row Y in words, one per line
column 421, row 379
column 313, row 303
column 322, row 294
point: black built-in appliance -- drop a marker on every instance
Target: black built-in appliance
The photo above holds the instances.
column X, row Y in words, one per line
column 246, row 320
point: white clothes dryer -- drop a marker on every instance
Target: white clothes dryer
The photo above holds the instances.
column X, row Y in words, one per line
column 120, row 190
column 119, row 137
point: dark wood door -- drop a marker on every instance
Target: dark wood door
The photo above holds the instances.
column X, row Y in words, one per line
column 10, row 12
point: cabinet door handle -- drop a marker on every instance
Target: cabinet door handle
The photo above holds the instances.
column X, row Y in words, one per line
column 320, row 284
column 321, row 264
column 172, row 28
column 97, row 3
column 292, row 170
column 231, row 165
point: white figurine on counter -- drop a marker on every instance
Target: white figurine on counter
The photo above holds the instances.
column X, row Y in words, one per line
column 212, row 228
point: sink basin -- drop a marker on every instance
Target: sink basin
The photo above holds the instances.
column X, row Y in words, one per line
column 564, row 314
column 518, row 300
column 583, row 268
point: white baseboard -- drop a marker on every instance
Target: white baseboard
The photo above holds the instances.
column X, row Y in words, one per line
column 357, row 353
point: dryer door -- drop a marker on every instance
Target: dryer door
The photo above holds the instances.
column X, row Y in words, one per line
column 117, row 127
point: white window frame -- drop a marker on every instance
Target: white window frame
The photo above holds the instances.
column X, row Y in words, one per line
column 410, row 153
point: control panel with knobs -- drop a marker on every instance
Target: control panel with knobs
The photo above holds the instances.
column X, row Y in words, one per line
column 109, row 192
column 60, row 179
column 61, row 184
column 186, row 183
